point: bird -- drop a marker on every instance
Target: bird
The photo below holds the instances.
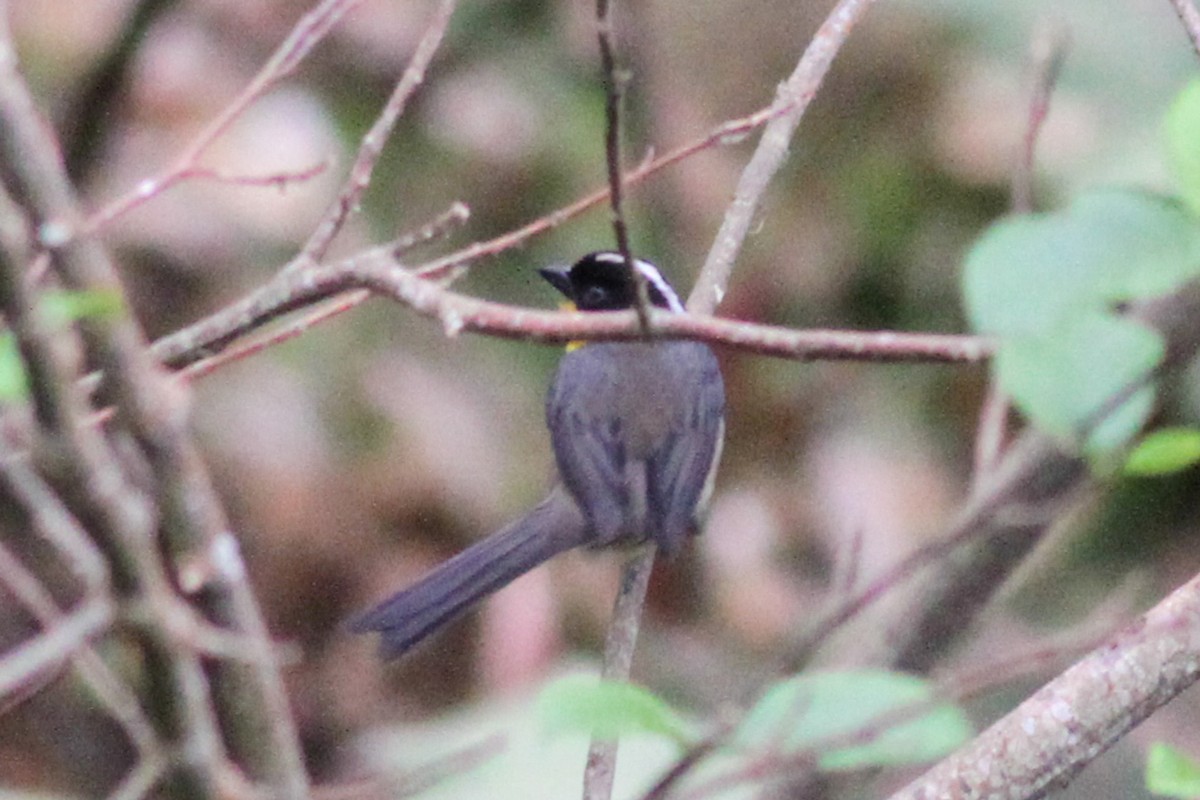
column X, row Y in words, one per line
column 637, row 429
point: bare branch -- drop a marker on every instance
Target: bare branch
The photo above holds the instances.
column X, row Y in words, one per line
column 1190, row 18
column 456, row 215
column 141, row 780
column 1080, row 714
column 1049, row 51
column 273, row 180
column 308, row 32
column 187, row 509
column 372, row 144
column 376, row 270
column 614, row 89
column 209, row 336
column 111, row 691
column 53, row 648
column 619, row 648
column 89, row 120
column 727, row 133
column 791, row 101
column 49, row 518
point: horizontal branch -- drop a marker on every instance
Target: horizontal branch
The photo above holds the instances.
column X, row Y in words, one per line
column 377, row 272
column 459, row 313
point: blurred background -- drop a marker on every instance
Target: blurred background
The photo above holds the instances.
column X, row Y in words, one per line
column 357, row 456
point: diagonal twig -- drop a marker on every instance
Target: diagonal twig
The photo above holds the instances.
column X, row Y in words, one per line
column 1190, row 18
column 791, row 101
column 371, row 147
column 307, row 33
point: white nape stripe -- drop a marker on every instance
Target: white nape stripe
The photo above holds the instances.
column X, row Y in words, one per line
column 651, row 274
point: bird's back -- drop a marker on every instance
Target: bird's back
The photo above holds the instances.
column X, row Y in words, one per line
column 636, row 428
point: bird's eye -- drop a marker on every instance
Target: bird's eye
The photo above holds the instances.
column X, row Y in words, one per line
column 592, row 297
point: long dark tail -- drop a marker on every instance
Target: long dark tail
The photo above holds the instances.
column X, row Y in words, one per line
column 410, row 615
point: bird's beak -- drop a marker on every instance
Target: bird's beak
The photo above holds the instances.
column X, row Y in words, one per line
column 559, row 277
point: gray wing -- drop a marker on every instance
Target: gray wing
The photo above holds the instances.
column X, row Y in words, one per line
column 679, row 476
column 589, row 447
column 593, row 415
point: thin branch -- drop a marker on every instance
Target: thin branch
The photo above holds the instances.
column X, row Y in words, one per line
column 376, row 270
column 614, row 89
column 1072, row 720
column 272, row 180
column 308, row 32
column 318, row 314
column 50, row 519
column 456, row 215
column 51, row 649
column 686, row 763
column 141, row 780
column 347, row 201
column 89, row 120
column 193, row 343
column 791, row 101
column 112, row 693
column 619, row 648
column 195, row 633
column 187, row 509
column 1048, row 53
column 369, row 150
column 727, row 133
column 1190, row 18
column 54, row 523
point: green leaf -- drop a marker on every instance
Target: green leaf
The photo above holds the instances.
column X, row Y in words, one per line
column 1024, row 274
column 1172, row 773
column 64, row 306
column 13, row 385
column 607, row 710
column 1068, row 382
column 1028, row 274
column 1047, row 286
column 810, row 711
column 1164, row 452
column 1182, row 132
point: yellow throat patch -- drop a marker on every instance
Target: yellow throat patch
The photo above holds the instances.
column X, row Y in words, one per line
column 574, row 344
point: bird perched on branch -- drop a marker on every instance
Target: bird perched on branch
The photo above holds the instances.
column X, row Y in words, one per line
column 637, row 429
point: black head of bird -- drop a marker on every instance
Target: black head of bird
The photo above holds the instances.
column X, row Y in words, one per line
column 601, row 282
